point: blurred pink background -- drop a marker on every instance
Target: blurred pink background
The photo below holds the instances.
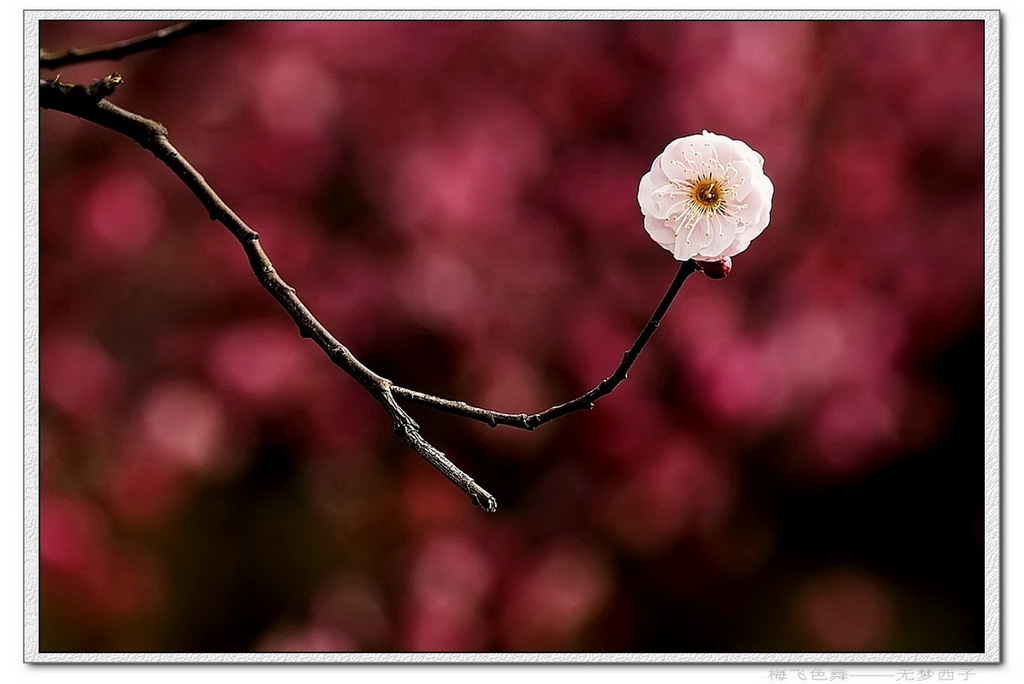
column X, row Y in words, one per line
column 794, row 464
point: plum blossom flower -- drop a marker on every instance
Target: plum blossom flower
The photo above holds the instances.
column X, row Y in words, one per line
column 706, row 197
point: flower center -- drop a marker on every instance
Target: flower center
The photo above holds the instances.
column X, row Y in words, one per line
column 707, row 195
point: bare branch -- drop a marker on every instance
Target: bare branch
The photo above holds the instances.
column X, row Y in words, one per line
column 81, row 101
column 87, row 102
column 53, row 60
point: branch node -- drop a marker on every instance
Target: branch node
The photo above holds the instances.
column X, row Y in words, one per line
column 104, row 87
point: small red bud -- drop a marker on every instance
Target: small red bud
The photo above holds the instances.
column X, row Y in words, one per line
column 716, row 269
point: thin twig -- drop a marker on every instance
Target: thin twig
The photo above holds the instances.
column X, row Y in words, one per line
column 113, row 51
column 528, row 421
column 89, row 103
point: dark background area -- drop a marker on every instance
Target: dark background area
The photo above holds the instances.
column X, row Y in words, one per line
column 794, row 464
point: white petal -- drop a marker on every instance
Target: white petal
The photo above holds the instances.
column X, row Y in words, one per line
column 761, row 185
column 743, row 151
column 754, row 208
column 701, row 235
column 768, row 188
column 645, row 196
column 727, row 150
column 672, row 203
column 756, row 226
column 663, row 202
column 743, row 176
column 656, row 195
column 722, row 149
column 686, row 158
column 737, row 246
column 748, row 212
column 684, row 250
column 657, row 175
column 752, row 230
column 739, row 150
column 722, row 235
column 660, row 230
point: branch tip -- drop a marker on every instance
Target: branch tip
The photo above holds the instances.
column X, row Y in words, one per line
column 484, row 500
